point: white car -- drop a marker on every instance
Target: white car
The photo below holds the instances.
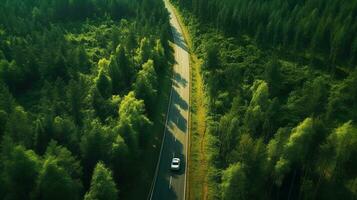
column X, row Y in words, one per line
column 175, row 164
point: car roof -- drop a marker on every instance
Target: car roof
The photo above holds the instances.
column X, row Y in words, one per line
column 175, row 159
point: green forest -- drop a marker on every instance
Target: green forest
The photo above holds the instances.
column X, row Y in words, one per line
column 78, row 84
column 85, row 84
column 281, row 92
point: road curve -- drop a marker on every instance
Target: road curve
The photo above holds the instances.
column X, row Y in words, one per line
column 168, row 185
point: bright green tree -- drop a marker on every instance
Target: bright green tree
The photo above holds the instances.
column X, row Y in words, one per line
column 102, row 185
column 234, row 182
column 296, row 148
column 146, row 85
column 143, row 53
column 341, row 143
column 134, row 124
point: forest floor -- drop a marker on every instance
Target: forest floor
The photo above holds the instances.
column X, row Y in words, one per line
column 197, row 162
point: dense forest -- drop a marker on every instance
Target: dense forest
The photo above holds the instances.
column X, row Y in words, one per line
column 281, row 91
column 78, row 82
column 320, row 30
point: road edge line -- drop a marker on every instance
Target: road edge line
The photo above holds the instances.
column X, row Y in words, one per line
column 161, row 148
column 188, row 145
column 151, row 192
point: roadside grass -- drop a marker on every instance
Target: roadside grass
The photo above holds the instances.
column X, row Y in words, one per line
column 198, row 180
column 197, row 161
column 140, row 187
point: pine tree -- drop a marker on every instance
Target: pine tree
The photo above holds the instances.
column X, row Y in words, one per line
column 102, row 185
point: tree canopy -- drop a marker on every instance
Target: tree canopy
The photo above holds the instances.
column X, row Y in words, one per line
column 69, row 98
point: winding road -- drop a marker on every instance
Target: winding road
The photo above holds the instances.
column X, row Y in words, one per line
column 168, row 185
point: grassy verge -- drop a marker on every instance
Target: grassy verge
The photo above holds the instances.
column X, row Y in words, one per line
column 197, row 162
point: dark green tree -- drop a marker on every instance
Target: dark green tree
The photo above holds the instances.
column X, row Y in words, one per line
column 104, row 85
column 55, row 182
column 19, row 127
column 20, row 173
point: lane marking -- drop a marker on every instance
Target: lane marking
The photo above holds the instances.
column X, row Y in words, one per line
column 176, row 68
column 170, row 182
column 153, row 184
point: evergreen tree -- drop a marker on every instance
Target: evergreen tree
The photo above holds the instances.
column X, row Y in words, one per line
column 104, row 85
column 19, row 127
column 134, row 124
column 55, row 183
column 234, row 182
column 20, row 173
column 102, row 185
column 146, row 84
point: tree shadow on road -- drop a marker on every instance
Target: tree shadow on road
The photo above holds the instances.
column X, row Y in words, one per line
column 179, row 79
column 178, row 100
column 178, row 39
column 178, row 119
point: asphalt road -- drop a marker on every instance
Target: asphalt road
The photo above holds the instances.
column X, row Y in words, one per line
column 170, row 185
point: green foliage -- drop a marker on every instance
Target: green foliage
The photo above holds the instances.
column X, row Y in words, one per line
column 120, row 70
column 54, row 182
column 280, row 80
column 64, row 67
column 75, row 93
column 318, row 27
column 342, row 97
column 255, row 115
column 146, row 86
column 134, row 124
column 342, row 144
column 20, row 171
column 104, row 85
column 65, row 132
column 273, row 77
column 234, row 182
column 95, row 145
column 7, row 102
column 159, row 56
column 143, row 53
column 102, row 185
column 19, row 127
column 296, row 149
